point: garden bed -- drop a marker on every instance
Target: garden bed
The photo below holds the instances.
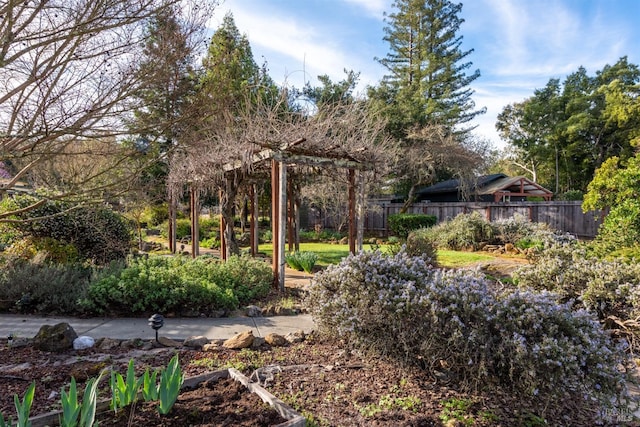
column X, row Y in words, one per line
column 220, row 398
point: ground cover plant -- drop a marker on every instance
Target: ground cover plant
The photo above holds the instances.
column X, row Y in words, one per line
column 455, row 324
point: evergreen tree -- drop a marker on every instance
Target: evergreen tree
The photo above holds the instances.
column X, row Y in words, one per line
column 231, row 79
column 426, row 96
column 427, row 81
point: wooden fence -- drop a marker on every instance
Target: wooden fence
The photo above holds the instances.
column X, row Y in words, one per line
column 560, row 215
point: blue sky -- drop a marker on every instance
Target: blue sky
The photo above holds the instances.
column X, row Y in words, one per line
column 518, row 44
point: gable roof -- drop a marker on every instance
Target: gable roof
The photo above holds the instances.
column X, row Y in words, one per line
column 499, row 185
column 452, row 185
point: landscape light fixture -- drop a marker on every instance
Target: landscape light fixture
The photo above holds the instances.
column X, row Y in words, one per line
column 156, row 322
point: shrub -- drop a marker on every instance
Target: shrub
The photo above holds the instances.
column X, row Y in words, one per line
column 44, row 288
column 98, row 233
column 465, row 231
column 402, row 224
column 516, row 228
column 160, row 284
column 606, row 287
column 524, row 341
column 302, row 260
column 183, row 229
column 610, row 239
column 266, row 236
column 419, row 244
column 155, row 215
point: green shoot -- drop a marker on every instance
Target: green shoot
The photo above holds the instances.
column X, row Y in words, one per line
column 89, row 402
column 150, row 386
column 70, row 406
column 171, row 380
column 24, row 408
column 4, row 423
column 124, row 392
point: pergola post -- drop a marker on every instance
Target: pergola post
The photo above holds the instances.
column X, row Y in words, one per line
column 195, row 222
column 360, row 210
column 282, row 222
column 275, row 219
column 253, row 227
column 290, row 218
column 223, row 226
column 172, row 223
column 351, row 175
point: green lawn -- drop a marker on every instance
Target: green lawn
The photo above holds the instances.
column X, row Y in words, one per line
column 332, row 254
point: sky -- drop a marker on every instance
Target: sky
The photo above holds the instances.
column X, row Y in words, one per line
column 518, row 45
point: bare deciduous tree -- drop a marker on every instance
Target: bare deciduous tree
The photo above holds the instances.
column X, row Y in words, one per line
column 432, row 148
column 68, row 70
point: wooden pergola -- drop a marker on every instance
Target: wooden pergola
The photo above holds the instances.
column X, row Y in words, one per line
column 279, row 158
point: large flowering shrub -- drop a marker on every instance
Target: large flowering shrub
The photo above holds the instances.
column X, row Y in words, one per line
column 452, row 321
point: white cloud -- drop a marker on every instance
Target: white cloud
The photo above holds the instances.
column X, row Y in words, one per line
column 375, row 8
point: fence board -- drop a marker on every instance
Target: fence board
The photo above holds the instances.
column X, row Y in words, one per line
column 560, row 215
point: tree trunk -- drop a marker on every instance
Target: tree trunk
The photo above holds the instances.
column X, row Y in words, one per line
column 226, row 210
column 411, row 197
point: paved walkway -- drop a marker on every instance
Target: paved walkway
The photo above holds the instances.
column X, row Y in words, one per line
column 175, row 328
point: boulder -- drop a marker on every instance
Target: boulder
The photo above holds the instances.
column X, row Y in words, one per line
column 107, row 344
column 296, row 337
column 275, row 340
column 214, row 346
column 257, row 342
column 56, row 338
column 168, row 342
column 196, row 342
column 241, row 340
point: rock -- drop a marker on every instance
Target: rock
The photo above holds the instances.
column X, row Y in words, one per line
column 132, row 343
column 56, row 338
column 168, row 342
column 296, row 337
column 344, row 241
column 241, row 340
column 196, row 342
column 275, row 340
column 107, row 344
column 84, row 370
column 211, row 347
column 511, row 249
column 16, row 342
column 257, row 342
column 147, row 345
column 253, row 311
column 83, row 342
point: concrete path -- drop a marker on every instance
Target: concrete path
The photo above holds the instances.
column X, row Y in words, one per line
column 175, row 328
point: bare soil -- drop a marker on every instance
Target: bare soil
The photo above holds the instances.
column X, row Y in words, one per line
column 327, row 384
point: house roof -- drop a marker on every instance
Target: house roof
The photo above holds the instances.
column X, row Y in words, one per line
column 499, row 185
column 452, row 185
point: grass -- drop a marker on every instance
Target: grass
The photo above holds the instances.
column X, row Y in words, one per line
column 332, row 254
column 327, row 253
column 456, row 259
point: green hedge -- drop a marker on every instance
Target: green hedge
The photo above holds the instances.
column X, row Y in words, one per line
column 402, row 224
